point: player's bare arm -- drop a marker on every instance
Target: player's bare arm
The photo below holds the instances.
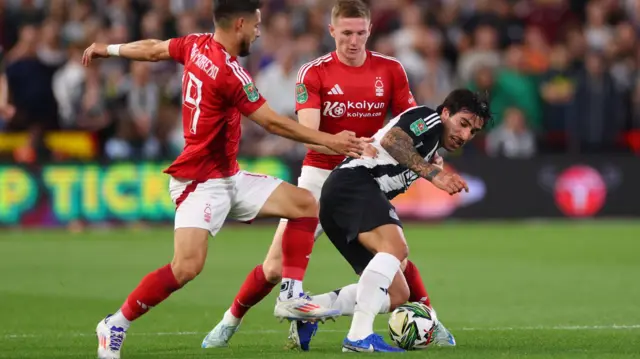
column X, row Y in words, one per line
column 286, row 127
column 310, row 117
column 399, row 145
column 144, row 50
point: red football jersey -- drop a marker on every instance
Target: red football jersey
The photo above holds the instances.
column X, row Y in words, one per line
column 351, row 98
column 216, row 90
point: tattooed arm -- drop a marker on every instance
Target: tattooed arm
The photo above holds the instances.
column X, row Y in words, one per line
column 400, row 146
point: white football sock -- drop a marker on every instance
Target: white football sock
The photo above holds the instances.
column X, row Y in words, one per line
column 290, row 289
column 230, row 319
column 326, row 300
column 371, row 294
column 345, row 300
column 118, row 320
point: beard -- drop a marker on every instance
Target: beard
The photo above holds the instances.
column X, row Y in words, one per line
column 245, row 47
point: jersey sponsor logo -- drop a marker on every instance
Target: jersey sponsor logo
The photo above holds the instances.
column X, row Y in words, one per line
column 251, row 91
column 358, row 109
column 334, row 109
column 301, row 93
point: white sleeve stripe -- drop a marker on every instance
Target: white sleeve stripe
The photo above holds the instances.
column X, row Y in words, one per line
column 243, row 72
column 377, row 54
column 237, row 70
column 433, row 117
column 432, row 124
column 303, row 70
column 310, row 63
column 304, row 74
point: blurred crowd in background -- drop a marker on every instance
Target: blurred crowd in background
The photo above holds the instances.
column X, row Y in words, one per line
column 563, row 75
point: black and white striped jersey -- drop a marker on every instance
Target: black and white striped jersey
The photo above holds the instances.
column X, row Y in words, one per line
column 425, row 128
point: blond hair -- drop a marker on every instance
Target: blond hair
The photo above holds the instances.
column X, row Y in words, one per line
column 350, row 9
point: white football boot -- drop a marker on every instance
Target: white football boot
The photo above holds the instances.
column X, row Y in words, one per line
column 303, row 308
column 110, row 339
column 219, row 336
column 442, row 336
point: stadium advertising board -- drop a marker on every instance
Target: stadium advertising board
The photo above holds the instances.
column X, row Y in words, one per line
column 545, row 187
column 57, row 193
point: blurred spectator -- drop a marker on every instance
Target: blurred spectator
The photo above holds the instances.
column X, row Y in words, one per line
column 570, row 69
column 277, row 80
column 137, row 135
column 557, row 89
column 483, row 53
column 30, row 82
column 512, row 139
column 597, row 32
column 509, row 86
column 595, row 122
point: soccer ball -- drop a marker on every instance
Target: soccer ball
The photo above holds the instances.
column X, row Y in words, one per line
column 411, row 326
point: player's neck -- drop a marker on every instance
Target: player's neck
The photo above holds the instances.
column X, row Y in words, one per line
column 226, row 41
column 354, row 63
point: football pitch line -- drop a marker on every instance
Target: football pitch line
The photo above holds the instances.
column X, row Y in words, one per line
column 284, row 332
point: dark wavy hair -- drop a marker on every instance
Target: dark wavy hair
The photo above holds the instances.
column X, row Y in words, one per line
column 466, row 100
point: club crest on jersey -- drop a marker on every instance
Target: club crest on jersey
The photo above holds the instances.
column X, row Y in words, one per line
column 418, row 127
column 301, row 93
column 379, row 87
column 251, row 91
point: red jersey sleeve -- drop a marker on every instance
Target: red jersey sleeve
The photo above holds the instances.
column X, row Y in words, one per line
column 402, row 96
column 308, row 88
column 243, row 93
column 180, row 47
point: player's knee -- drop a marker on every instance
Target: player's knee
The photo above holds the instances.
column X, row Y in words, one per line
column 403, row 264
column 272, row 270
column 306, row 204
column 185, row 270
column 400, row 250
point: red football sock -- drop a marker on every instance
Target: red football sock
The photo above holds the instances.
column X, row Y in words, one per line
column 153, row 289
column 254, row 288
column 418, row 293
column 297, row 244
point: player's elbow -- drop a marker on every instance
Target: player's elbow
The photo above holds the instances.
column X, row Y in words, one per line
column 154, row 56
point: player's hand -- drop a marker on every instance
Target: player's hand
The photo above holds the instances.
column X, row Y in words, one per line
column 437, row 161
column 95, row 51
column 450, row 182
column 347, row 144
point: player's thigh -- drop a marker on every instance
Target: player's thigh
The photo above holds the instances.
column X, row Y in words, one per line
column 201, row 209
column 312, row 179
column 287, row 201
column 381, row 230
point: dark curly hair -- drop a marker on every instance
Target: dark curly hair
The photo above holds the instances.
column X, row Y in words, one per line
column 466, row 100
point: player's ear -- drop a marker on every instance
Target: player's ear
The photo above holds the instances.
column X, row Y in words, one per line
column 445, row 114
column 332, row 30
column 239, row 23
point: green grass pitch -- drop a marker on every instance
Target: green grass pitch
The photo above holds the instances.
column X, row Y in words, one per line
column 547, row 290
